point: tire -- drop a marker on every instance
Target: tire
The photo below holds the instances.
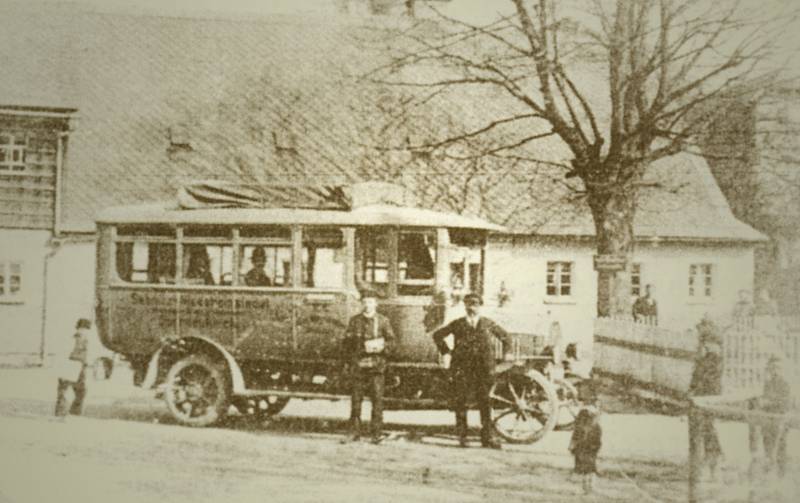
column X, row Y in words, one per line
column 524, row 398
column 197, row 391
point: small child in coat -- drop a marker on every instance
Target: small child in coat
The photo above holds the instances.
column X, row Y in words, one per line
column 586, row 441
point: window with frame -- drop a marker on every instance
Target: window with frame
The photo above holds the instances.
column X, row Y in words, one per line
column 559, row 279
column 701, row 280
column 636, row 279
column 372, row 248
column 146, row 254
column 10, row 281
column 12, row 151
column 323, row 258
column 265, row 256
column 416, row 262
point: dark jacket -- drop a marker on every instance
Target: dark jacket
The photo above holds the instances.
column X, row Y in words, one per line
column 643, row 309
column 587, row 438
column 359, row 330
column 777, row 395
column 473, row 348
column 707, row 375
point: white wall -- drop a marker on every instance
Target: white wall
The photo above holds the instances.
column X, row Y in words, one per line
column 522, row 265
column 70, row 293
column 20, row 318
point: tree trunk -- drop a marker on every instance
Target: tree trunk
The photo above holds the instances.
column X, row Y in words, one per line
column 613, row 218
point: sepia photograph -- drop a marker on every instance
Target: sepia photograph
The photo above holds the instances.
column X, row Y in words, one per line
column 399, row 251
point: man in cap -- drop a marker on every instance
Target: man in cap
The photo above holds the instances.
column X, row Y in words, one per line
column 472, row 362
column 367, row 342
column 73, row 372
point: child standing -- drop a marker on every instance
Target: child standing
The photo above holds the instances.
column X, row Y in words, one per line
column 585, row 444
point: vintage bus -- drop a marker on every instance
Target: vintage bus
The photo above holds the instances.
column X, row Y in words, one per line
column 246, row 305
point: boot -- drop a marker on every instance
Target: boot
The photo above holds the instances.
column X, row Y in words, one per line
column 355, row 432
column 461, row 428
column 487, row 438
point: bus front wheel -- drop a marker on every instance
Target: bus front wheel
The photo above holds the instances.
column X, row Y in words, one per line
column 196, row 391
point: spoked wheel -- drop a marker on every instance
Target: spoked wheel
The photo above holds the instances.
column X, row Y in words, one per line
column 569, row 406
column 263, row 406
column 524, row 406
column 196, row 391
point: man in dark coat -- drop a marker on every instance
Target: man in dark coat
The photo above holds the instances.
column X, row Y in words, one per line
column 367, row 342
column 707, row 381
column 645, row 308
column 77, row 381
column 472, row 362
column 776, row 399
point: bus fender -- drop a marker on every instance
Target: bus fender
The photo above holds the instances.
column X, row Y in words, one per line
column 235, row 373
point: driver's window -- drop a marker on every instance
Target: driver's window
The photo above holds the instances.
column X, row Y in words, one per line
column 416, row 262
column 372, row 253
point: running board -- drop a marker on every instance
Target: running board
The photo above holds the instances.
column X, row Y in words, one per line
column 310, row 395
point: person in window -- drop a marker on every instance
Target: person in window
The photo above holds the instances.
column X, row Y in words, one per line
column 645, row 309
column 199, row 270
column 256, row 275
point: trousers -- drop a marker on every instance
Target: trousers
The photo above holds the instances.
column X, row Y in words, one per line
column 373, row 383
column 469, row 386
column 78, row 388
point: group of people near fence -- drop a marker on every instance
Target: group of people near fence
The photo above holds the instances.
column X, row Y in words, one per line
column 775, row 400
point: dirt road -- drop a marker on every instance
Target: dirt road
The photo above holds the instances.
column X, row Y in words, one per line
column 126, row 450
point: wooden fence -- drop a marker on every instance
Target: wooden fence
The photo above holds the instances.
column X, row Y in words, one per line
column 663, row 359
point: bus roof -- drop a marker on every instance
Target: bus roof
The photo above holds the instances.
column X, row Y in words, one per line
column 389, row 215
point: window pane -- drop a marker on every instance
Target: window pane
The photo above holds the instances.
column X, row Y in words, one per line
column 416, row 265
column 565, row 279
column 142, row 262
column 565, row 290
column 263, row 266
column 551, row 290
column 324, row 255
column 372, row 248
column 221, row 264
column 197, row 265
column 551, row 267
column 565, row 267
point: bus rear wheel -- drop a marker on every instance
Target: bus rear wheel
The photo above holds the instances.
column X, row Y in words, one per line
column 196, row 391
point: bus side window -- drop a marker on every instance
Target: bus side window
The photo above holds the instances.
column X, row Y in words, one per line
column 324, row 254
column 208, row 264
column 142, row 262
column 267, row 265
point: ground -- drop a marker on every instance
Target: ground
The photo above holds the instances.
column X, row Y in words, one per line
column 126, row 449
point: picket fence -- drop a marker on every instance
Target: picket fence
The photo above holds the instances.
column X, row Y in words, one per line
column 663, row 358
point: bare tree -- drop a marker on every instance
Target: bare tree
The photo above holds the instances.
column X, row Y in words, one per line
column 619, row 84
